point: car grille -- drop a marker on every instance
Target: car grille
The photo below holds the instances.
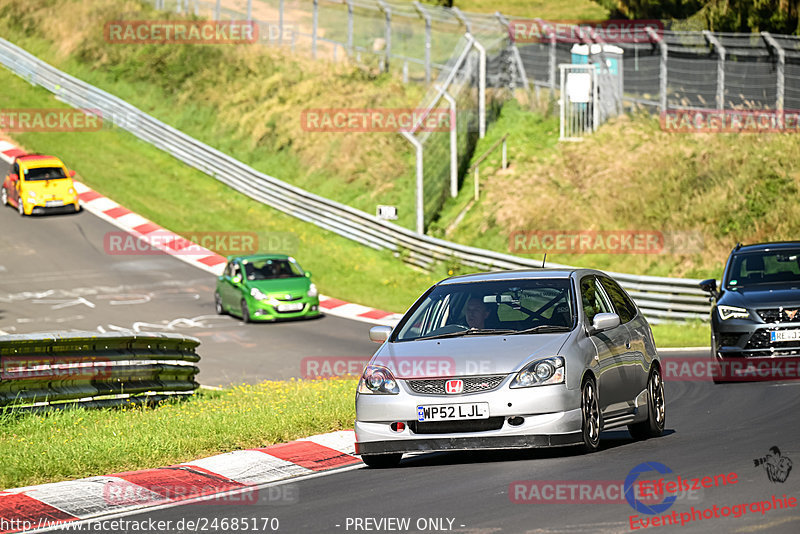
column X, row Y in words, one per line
column 779, row 315
column 730, row 339
column 453, row 427
column 290, row 299
column 472, row 384
column 761, row 340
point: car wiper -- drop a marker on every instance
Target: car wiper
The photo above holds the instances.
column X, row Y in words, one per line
column 471, row 332
column 543, row 328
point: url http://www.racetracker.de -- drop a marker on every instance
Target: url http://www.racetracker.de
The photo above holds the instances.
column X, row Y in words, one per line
column 199, row 524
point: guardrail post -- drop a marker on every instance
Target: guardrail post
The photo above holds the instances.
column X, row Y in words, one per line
column 720, row 68
column 453, row 142
column 314, row 25
column 426, row 16
column 780, row 70
column 387, row 12
column 420, row 182
column 662, row 67
column 350, row 27
column 477, row 177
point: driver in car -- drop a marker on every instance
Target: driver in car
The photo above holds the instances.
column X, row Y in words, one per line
column 476, row 313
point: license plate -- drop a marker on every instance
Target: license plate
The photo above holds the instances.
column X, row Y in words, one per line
column 53, row 203
column 784, row 335
column 452, row 412
column 295, row 306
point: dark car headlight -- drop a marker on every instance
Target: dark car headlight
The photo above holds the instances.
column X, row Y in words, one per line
column 378, row 380
column 540, row 373
column 732, row 312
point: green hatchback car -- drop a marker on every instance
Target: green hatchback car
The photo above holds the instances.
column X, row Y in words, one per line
column 266, row 287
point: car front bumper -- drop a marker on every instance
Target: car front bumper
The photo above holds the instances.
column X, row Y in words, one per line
column 261, row 311
column 550, row 417
column 39, row 209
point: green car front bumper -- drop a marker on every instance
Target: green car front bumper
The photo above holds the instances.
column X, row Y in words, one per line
column 263, row 310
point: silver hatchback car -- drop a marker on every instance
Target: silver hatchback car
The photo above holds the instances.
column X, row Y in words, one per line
column 510, row 359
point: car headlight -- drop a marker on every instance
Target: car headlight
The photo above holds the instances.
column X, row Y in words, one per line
column 312, row 290
column 378, row 380
column 257, row 294
column 732, row 312
column 540, row 372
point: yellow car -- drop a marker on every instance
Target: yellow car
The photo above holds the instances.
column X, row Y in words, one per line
column 39, row 184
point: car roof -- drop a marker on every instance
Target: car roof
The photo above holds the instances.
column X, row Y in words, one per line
column 518, row 274
column 765, row 247
column 38, row 160
column 255, row 257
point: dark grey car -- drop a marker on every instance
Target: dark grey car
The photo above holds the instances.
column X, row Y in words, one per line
column 511, row 359
column 755, row 316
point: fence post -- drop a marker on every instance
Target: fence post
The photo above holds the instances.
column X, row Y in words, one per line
column 781, row 69
column 217, row 10
column 280, row 22
column 514, row 50
column 505, row 152
column 421, row 10
column 314, row 24
column 551, row 59
column 249, row 10
column 662, row 67
column 350, row 26
column 387, row 11
column 420, row 207
column 720, row 68
column 453, row 141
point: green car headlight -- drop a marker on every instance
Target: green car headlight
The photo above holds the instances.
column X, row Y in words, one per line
column 257, row 294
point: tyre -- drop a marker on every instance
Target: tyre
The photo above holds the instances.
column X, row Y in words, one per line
column 4, row 196
column 590, row 412
column 21, row 207
column 245, row 312
column 381, row 461
column 653, row 426
column 218, row 304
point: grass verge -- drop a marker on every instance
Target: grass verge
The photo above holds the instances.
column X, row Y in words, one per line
column 70, row 444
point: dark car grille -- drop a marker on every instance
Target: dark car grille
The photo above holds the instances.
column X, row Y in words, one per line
column 290, row 299
column 472, row 384
column 453, row 427
column 729, row 339
column 761, row 340
column 779, row 315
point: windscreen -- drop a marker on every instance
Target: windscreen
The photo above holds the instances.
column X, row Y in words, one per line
column 759, row 268
column 496, row 307
column 271, row 269
column 44, row 173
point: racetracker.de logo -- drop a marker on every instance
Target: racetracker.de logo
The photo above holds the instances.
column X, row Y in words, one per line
column 54, row 368
column 207, row 32
column 730, row 121
column 119, row 243
column 605, row 242
column 581, row 31
column 687, row 369
column 377, row 120
column 50, row 120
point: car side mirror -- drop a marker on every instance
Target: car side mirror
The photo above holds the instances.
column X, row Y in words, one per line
column 72, row 174
column 308, row 274
column 604, row 321
column 13, row 177
column 236, row 279
column 709, row 286
column 379, row 334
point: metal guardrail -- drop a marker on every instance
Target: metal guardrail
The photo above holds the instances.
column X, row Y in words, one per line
column 659, row 298
column 93, row 369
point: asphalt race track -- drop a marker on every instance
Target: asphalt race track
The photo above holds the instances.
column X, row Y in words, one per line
column 55, row 275
column 711, row 430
